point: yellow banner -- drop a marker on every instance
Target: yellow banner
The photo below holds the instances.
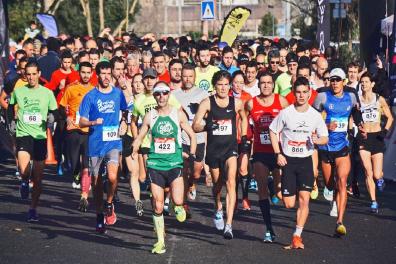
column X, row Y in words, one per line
column 233, row 24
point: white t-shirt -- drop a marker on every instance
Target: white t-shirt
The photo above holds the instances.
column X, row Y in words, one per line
column 254, row 90
column 297, row 129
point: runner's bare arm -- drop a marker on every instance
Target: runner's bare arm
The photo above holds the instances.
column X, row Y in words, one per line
column 3, row 102
column 190, row 132
column 134, row 128
column 198, row 123
column 387, row 113
column 139, row 138
column 240, row 109
column 284, row 103
column 84, row 122
column 249, row 105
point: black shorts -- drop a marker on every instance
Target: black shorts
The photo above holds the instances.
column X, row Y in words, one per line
column 199, row 153
column 76, row 146
column 144, row 151
column 374, row 143
column 37, row 148
column 126, row 145
column 331, row 156
column 297, row 175
column 249, row 149
column 215, row 161
column 267, row 159
column 164, row 178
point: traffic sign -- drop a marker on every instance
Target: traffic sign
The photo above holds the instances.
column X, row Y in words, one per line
column 207, row 10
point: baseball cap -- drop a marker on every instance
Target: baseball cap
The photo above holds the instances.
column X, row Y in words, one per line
column 337, row 72
column 242, row 58
column 149, row 72
column 291, row 57
column 161, row 87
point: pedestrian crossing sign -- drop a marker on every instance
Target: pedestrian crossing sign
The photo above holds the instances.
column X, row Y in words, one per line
column 207, row 10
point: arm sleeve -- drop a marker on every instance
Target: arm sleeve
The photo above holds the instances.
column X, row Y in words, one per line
column 320, row 100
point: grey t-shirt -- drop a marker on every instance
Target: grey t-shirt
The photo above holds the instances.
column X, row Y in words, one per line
column 190, row 99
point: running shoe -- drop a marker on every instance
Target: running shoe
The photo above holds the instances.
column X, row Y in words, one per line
column 269, row 237
column 228, row 232
column 158, row 248
column 24, row 190
column 180, row 213
column 188, row 211
column 83, row 205
column 333, row 211
column 327, row 194
column 297, row 243
column 76, row 182
column 18, row 175
column 246, row 204
column 381, row 184
column 374, row 207
column 340, row 230
column 32, row 216
column 110, row 216
column 100, row 225
column 139, row 208
column 60, row 170
column 315, row 193
column 355, row 189
column 218, row 220
column 192, row 193
column 253, row 185
column 274, row 200
column 116, row 198
column 166, row 206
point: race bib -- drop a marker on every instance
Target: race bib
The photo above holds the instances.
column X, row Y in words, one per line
column 164, row 145
column 297, row 148
column 265, row 138
column 32, row 118
column 342, row 124
column 370, row 115
column 77, row 118
column 110, row 133
column 225, row 128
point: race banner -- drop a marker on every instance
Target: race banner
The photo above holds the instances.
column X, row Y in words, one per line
column 392, row 61
column 323, row 31
column 233, row 24
column 49, row 24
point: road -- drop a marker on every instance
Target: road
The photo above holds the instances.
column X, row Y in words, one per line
column 64, row 235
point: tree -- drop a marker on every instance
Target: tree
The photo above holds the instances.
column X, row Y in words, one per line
column 268, row 24
column 101, row 15
column 87, row 14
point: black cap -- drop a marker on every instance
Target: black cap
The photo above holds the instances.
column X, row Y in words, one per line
column 243, row 59
column 149, row 72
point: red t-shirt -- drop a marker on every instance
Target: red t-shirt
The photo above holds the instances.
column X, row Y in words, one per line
column 165, row 77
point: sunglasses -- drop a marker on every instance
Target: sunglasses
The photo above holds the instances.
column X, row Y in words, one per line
column 161, row 93
column 326, row 79
column 260, row 63
column 274, row 62
column 336, row 79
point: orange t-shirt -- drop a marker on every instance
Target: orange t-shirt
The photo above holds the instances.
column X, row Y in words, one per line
column 71, row 100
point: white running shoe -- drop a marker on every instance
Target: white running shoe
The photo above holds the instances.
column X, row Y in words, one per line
column 327, row 194
column 333, row 211
column 218, row 220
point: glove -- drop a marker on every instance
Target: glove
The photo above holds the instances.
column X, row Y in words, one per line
column 50, row 120
column 194, row 107
column 213, row 126
column 12, row 127
column 245, row 145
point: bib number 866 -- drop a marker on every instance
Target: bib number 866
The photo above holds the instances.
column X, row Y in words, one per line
column 297, row 149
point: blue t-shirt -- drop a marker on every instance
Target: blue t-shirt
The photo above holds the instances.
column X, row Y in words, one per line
column 230, row 70
column 336, row 109
column 95, row 104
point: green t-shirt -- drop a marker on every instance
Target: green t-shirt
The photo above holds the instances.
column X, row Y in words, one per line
column 203, row 80
column 165, row 147
column 33, row 105
column 144, row 104
column 283, row 84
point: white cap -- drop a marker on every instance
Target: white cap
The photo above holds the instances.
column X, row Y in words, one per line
column 337, row 72
column 161, row 87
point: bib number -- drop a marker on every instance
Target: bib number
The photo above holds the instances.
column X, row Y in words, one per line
column 265, row 138
column 370, row 116
column 225, row 128
column 110, row 133
column 164, row 145
column 298, row 148
column 342, row 124
column 32, row 118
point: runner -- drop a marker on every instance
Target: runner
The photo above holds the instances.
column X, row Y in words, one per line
column 338, row 105
column 204, row 72
column 371, row 142
column 222, row 145
column 175, row 71
column 251, row 84
column 299, row 127
column 100, row 111
column 77, row 138
column 263, row 109
column 227, row 55
column 165, row 161
column 35, row 103
column 159, row 64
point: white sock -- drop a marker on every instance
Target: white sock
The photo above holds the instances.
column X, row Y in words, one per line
column 298, row 231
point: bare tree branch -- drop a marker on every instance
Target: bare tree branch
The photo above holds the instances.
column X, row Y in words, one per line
column 123, row 22
column 101, row 16
column 87, row 14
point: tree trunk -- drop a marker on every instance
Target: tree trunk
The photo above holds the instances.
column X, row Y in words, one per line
column 87, row 14
column 123, row 22
column 101, row 16
column 50, row 6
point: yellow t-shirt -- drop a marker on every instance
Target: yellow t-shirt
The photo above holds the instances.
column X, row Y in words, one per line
column 203, row 80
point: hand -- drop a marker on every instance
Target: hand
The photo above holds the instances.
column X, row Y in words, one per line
column 62, row 84
column 69, row 121
column 99, row 121
column 315, row 138
column 214, row 126
column 122, row 82
column 281, row 160
column 123, row 128
column 362, row 132
column 378, row 63
column 50, row 120
column 332, row 126
column 12, row 127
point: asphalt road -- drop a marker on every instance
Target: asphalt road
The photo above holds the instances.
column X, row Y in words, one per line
column 64, row 235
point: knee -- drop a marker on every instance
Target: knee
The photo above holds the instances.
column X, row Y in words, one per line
column 158, row 206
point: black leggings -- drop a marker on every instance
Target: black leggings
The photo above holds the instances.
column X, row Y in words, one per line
column 77, row 144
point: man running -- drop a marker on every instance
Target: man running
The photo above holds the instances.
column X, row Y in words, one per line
column 35, row 103
column 222, row 146
column 204, row 72
column 100, row 111
column 165, row 162
column 299, row 127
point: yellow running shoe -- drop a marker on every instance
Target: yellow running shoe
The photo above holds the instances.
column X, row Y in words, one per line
column 314, row 193
column 180, row 213
column 158, row 248
column 340, row 230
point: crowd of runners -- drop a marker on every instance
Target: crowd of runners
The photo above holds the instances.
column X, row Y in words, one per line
column 263, row 115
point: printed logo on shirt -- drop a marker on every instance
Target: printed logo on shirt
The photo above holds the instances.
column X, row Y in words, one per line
column 204, row 85
column 165, row 128
column 106, row 106
column 331, row 106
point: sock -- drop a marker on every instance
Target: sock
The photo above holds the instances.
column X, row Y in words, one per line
column 85, row 181
column 265, row 211
column 298, row 231
column 100, row 218
column 271, row 186
column 159, row 226
column 245, row 181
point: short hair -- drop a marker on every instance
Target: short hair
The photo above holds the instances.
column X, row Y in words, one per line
column 147, row 53
column 188, row 66
column 85, row 64
column 300, row 81
column 94, row 51
column 68, row 41
column 28, row 41
column 202, row 47
column 66, row 54
column 221, row 75
column 175, row 61
column 273, row 54
column 264, row 74
column 368, row 75
column 251, row 64
column 304, row 66
column 184, row 48
column 227, row 49
column 23, row 59
column 239, row 72
column 158, row 54
column 32, row 64
column 81, row 54
column 101, row 66
column 116, row 59
column 353, row 64
column 20, row 51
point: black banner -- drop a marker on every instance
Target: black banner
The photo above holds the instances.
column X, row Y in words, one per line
column 392, row 70
column 323, row 32
column 3, row 39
